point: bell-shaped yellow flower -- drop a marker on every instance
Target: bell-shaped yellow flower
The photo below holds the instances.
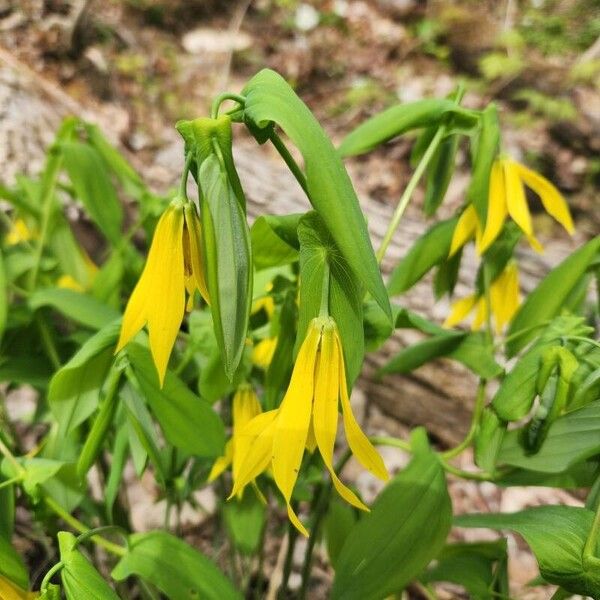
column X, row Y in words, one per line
column 173, row 266
column 507, row 198
column 245, row 407
column 19, row 233
column 504, row 302
column 308, row 417
column 11, row 591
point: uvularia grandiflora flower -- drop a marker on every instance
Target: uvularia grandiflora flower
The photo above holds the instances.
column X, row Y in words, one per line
column 174, row 265
column 308, row 418
column 245, row 407
column 506, row 198
column 503, row 302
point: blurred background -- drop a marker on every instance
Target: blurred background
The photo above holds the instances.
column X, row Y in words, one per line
column 139, row 65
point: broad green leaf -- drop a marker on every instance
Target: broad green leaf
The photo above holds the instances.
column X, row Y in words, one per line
column 3, row 297
column 274, row 240
column 174, row 567
column 81, row 308
column 226, row 241
column 572, row 438
column 395, row 121
column 12, row 565
column 556, row 535
column 317, row 248
column 117, row 465
column 485, row 151
column 488, row 440
column 245, row 520
column 429, row 250
column 93, row 187
column 580, row 475
column 404, row 531
column 376, row 325
column 79, row 578
column 270, row 99
column 477, row 355
column 446, row 275
column 7, row 510
column 549, row 296
column 74, row 390
column 480, row 568
column 188, row 422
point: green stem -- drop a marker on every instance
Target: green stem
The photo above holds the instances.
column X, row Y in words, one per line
column 289, row 160
column 479, row 404
column 589, row 550
column 467, row 474
column 289, row 557
column 408, row 192
column 519, row 334
column 48, row 342
column 216, row 105
column 49, row 180
column 48, row 576
column 579, row 338
column 81, row 528
column 324, row 309
column 10, row 481
column 4, row 450
column 184, row 176
column 390, row 441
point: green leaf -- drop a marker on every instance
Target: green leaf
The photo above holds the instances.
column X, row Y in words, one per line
column 93, row 187
column 79, row 578
column 245, row 520
column 12, row 565
column 3, row 297
column 404, row 531
column 274, row 240
column 339, row 522
column 580, row 475
column 74, row 390
column 479, row 568
column 7, row 511
column 439, row 174
column 489, row 438
column 549, row 296
column 556, row 535
column 477, row 355
column 393, row 122
column 270, row 99
column 226, row 242
column 117, row 466
column 176, row 569
column 429, row 250
column 486, row 149
column 188, row 422
column 81, row 308
column 317, row 248
column 572, row 438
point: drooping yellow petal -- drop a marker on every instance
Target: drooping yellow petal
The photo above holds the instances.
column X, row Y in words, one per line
column 254, row 443
column 245, row 407
column 459, row 310
column 359, row 443
column 504, row 296
column 311, row 440
column 262, row 353
column 496, row 210
column 551, row 198
column 265, row 303
column 11, row 591
column 465, row 229
column 166, row 307
column 222, row 462
column 481, row 314
column 293, row 420
column 516, row 202
column 193, row 235
column 325, row 410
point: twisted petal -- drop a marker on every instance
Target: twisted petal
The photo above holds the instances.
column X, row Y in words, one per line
column 496, row 211
column 293, row 421
column 465, row 229
column 222, row 462
column 551, row 198
column 359, row 443
column 325, row 410
column 459, row 310
column 165, row 305
column 254, row 443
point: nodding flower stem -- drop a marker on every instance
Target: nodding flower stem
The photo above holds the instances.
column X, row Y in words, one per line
column 184, row 176
column 216, row 105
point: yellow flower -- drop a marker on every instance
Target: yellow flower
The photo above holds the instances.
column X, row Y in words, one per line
column 19, row 232
column 504, row 302
column 262, row 353
column 173, row 266
column 507, row 199
column 245, row 407
column 11, row 591
column 308, row 417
